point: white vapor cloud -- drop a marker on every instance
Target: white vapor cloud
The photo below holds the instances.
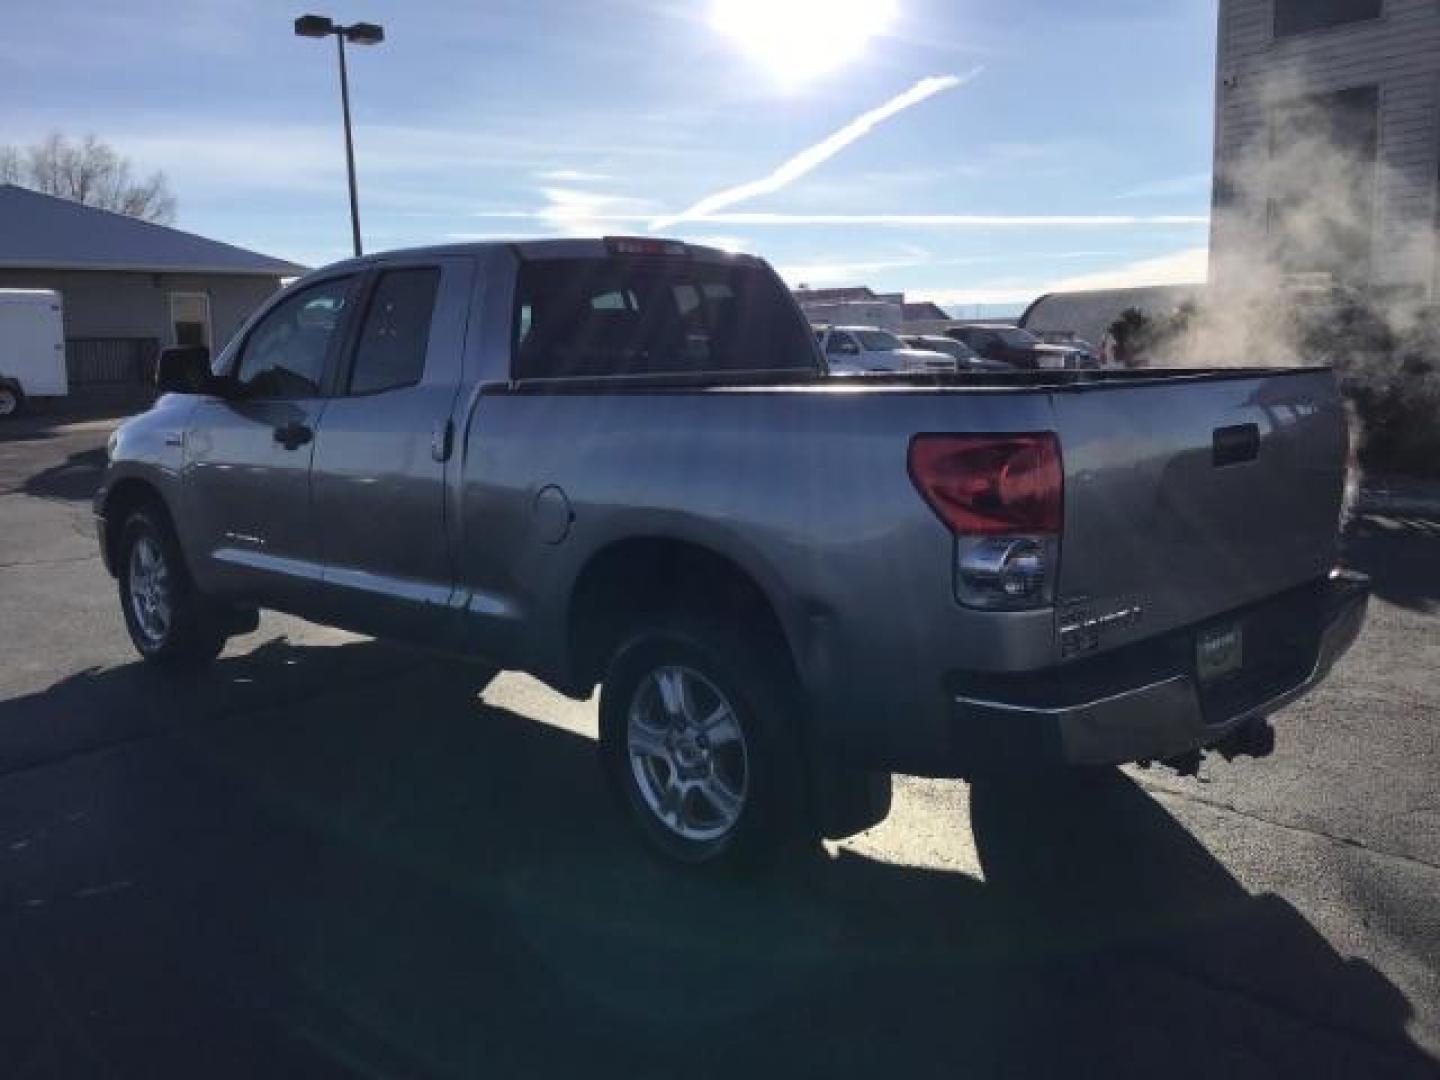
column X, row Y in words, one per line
column 813, row 156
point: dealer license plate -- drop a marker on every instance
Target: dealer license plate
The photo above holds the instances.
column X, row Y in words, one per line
column 1219, row 651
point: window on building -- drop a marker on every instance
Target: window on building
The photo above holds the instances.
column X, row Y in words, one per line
column 396, row 331
column 1300, row 16
column 1322, row 178
column 190, row 319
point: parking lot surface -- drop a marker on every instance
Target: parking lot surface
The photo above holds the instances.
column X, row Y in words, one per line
column 328, row 856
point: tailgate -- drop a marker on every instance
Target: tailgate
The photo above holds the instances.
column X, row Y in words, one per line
column 1189, row 497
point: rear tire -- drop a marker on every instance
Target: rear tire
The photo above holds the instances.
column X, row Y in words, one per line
column 700, row 736
column 169, row 620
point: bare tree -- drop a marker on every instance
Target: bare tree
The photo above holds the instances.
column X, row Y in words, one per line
column 12, row 166
column 90, row 172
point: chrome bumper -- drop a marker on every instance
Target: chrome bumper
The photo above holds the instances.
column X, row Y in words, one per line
column 1161, row 718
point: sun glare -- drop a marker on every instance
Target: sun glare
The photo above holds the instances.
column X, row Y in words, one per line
column 796, row 41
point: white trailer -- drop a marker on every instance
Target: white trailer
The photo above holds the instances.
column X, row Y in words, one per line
column 32, row 348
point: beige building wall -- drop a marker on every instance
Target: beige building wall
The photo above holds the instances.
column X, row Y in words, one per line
column 110, row 304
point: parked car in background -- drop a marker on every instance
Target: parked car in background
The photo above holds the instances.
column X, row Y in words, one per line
column 858, row 350
column 32, row 348
column 622, row 462
column 1019, row 348
column 966, row 358
column 1066, row 339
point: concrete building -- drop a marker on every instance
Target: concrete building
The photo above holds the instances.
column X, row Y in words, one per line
column 129, row 287
column 861, row 305
column 1327, row 141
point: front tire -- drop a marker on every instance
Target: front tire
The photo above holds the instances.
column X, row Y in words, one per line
column 700, row 737
column 12, row 401
column 169, row 622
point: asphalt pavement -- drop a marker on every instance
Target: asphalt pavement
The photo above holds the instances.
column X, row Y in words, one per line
column 332, row 857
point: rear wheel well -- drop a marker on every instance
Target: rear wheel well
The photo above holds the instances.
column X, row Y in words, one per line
column 626, row 583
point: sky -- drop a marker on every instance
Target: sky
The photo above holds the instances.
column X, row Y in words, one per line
column 973, row 152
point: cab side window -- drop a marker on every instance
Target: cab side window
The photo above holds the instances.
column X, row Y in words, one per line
column 284, row 355
column 396, row 332
column 842, row 345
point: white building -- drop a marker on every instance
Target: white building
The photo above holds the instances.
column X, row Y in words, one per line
column 1327, row 141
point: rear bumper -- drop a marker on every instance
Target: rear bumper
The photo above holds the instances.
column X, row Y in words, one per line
column 1145, row 702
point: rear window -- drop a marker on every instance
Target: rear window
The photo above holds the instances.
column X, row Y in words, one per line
column 879, row 341
column 589, row 317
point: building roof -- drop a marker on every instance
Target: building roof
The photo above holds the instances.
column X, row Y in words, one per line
column 835, row 296
column 919, row 310
column 42, row 232
column 1089, row 314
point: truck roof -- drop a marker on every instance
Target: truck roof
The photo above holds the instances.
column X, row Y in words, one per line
column 559, row 248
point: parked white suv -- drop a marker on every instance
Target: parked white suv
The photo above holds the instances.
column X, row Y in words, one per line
column 860, row 350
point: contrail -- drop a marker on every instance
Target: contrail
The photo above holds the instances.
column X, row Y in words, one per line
column 976, row 221
column 962, row 221
column 824, row 150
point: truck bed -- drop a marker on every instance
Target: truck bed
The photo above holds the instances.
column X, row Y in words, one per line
column 902, row 381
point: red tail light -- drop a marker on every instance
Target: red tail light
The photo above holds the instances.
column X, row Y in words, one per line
column 991, row 485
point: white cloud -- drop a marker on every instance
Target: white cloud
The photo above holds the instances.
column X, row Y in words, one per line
column 1189, row 266
column 575, row 212
column 958, row 220
column 717, row 240
column 813, row 156
column 903, row 221
column 572, row 176
column 1189, row 184
column 841, row 272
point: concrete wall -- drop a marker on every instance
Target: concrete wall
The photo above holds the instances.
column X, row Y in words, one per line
column 1400, row 54
column 107, row 304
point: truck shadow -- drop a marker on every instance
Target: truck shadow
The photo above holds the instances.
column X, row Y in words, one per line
column 317, row 861
column 74, row 479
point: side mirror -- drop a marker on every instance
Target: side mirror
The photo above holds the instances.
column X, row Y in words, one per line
column 185, row 369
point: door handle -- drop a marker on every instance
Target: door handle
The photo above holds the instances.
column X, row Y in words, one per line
column 293, row 435
column 442, row 439
column 1234, row 445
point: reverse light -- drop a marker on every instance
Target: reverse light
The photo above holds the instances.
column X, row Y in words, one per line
column 1003, row 498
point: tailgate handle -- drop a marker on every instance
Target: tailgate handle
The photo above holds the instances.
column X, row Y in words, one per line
column 1232, row 445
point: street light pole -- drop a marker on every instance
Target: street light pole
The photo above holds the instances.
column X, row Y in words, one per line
column 349, row 144
column 319, row 26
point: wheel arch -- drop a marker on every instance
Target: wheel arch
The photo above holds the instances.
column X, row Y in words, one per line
column 630, row 578
column 123, row 498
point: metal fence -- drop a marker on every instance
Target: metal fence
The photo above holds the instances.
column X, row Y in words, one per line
column 110, row 361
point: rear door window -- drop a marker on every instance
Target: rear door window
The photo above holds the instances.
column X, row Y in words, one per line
column 396, row 332
column 644, row 316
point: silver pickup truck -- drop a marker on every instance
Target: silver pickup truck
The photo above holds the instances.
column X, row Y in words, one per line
column 623, row 462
